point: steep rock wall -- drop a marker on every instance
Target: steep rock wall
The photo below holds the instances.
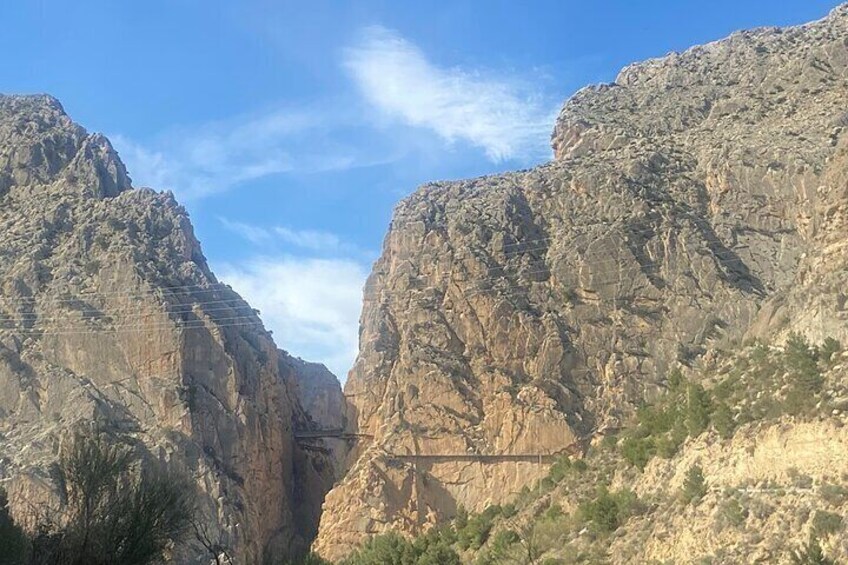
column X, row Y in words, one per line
column 699, row 198
column 110, row 316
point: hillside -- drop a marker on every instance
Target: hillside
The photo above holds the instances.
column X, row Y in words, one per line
column 697, row 202
column 111, row 319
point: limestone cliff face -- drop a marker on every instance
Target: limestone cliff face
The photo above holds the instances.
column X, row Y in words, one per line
column 109, row 316
column 699, row 198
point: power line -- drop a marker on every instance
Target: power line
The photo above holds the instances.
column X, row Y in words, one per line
column 240, row 304
column 221, row 287
column 182, row 308
column 143, row 327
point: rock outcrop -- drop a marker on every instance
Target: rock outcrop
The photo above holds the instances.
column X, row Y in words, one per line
column 110, row 316
column 699, row 199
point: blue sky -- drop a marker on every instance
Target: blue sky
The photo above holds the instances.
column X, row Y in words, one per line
column 290, row 129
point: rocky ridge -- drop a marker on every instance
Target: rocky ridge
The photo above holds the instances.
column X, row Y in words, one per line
column 699, row 199
column 110, row 317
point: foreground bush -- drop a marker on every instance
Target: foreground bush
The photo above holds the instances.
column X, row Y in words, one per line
column 114, row 511
column 432, row 548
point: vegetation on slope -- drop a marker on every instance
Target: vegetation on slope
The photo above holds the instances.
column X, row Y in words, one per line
column 577, row 512
column 114, row 511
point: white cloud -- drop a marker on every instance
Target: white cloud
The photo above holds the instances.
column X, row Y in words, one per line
column 502, row 115
column 311, row 240
column 311, row 304
column 214, row 157
column 253, row 234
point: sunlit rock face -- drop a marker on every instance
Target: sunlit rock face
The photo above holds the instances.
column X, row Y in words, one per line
column 110, row 317
column 699, row 199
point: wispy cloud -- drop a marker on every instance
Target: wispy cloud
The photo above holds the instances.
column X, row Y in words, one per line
column 506, row 116
column 503, row 115
column 311, row 304
column 214, row 157
column 310, row 240
column 254, row 234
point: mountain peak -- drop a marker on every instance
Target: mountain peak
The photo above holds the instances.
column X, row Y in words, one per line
column 43, row 150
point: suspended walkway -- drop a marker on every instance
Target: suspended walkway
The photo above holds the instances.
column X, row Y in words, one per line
column 572, row 450
column 337, row 433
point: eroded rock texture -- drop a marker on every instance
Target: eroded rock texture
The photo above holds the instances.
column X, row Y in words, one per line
column 699, row 198
column 109, row 316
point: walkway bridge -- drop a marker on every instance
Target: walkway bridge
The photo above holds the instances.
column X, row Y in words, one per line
column 475, row 457
column 336, row 433
column 572, row 450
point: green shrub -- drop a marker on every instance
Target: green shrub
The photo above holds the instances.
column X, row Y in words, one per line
column 810, row 554
column 115, row 511
column 386, row 549
column 675, row 379
column 829, row 349
column 655, row 420
column 547, row 484
column 799, row 481
column 503, row 540
column 731, row 513
column 461, row 519
column 553, row 512
column 580, row 465
column 698, row 407
column 836, row 495
column 435, row 548
column 477, row 529
column 667, row 446
column 432, row 548
column 723, row 422
column 802, row 361
column 638, row 451
column 826, row 523
column 694, row 485
column 608, row 511
column 560, row 469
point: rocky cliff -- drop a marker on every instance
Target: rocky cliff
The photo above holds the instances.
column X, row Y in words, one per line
column 699, row 199
column 110, row 316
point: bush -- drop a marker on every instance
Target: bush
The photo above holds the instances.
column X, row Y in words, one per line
column 508, row 510
column 802, row 361
column 694, row 486
column 638, row 451
column 461, row 519
column 608, row 511
column 477, row 529
column 698, row 407
column 826, row 523
column 504, row 539
column 432, row 548
column 723, row 421
column 829, row 349
column 731, row 513
column 833, row 494
column 385, row 549
column 560, row 469
column 554, row 512
column 810, row 554
column 115, row 511
column 580, row 465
